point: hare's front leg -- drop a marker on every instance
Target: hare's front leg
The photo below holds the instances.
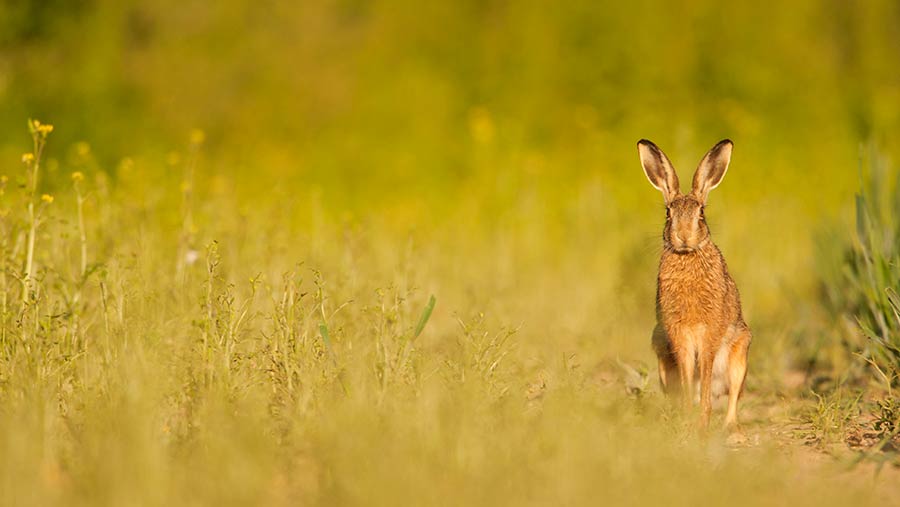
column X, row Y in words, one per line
column 737, row 372
column 707, row 358
column 685, row 358
column 668, row 369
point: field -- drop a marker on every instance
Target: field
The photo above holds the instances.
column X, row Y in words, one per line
column 350, row 253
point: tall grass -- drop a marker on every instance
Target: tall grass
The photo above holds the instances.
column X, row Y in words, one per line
column 301, row 359
column 863, row 284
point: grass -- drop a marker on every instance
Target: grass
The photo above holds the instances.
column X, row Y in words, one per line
column 299, row 357
column 832, row 415
column 861, row 273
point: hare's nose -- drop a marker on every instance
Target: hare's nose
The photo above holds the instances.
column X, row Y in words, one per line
column 678, row 238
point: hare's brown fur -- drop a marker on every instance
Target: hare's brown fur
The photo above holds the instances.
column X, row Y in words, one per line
column 700, row 327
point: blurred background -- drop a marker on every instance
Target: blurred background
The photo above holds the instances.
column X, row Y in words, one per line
column 506, row 116
column 398, row 95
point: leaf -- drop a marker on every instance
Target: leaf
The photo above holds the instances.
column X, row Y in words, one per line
column 323, row 330
column 426, row 314
column 861, row 229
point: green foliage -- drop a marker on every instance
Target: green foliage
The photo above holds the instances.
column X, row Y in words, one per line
column 832, row 415
column 238, row 375
column 865, row 286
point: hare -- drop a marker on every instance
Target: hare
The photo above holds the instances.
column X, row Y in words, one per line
column 700, row 327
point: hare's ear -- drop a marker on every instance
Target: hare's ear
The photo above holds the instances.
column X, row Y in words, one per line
column 712, row 169
column 659, row 170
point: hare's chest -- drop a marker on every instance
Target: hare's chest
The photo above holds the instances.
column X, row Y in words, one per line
column 689, row 295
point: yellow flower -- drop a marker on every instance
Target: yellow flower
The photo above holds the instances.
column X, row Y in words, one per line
column 3, row 180
column 43, row 129
column 47, row 198
column 77, row 176
column 197, row 137
column 28, row 158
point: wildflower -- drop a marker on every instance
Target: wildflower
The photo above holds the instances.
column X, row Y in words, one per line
column 36, row 127
column 197, row 137
column 28, row 158
column 77, row 176
column 3, row 180
column 47, row 198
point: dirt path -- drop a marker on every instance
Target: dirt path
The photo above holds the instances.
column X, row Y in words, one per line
column 777, row 420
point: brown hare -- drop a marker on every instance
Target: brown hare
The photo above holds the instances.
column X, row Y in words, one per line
column 700, row 327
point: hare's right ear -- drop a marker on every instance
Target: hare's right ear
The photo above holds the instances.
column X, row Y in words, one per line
column 659, row 170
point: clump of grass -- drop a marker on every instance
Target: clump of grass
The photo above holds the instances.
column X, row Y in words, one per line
column 887, row 420
column 827, row 421
column 863, row 287
column 480, row 354
column 396, row 356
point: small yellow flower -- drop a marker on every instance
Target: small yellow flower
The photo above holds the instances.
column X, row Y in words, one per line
column 43, row 129
column 197, row 137
column 3, row 180
column 77, row 176
column 47, row 198
column 28, row 158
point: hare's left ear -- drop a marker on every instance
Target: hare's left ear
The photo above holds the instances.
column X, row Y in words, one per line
column 712, row 169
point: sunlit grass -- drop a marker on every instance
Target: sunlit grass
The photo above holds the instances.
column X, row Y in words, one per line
column 410, row 257
column 177, row 348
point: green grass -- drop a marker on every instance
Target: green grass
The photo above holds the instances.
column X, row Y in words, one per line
column 861, row 272
column 409, row 255
column 209, row 352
